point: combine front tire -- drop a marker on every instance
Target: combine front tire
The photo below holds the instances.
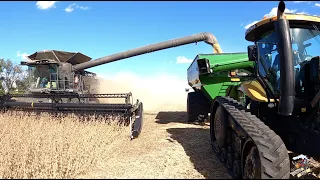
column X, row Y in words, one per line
column 197, row 104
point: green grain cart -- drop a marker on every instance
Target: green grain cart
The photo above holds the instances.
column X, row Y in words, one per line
column 210, row 75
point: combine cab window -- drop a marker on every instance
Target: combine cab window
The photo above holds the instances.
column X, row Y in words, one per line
column 42, row 76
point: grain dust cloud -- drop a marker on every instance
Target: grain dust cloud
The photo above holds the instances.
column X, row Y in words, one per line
column 157, row 92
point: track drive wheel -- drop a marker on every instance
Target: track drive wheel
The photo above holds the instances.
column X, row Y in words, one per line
column 218, row 133
column 220, row 126
column 197, row 104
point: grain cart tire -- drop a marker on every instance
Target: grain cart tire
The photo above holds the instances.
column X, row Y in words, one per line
column 197, row 104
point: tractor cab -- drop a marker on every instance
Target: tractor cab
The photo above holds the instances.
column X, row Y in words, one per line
column 305, row 45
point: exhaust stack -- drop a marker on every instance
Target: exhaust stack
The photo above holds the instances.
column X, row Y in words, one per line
column 287, row 85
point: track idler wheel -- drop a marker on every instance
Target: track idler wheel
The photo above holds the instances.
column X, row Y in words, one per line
column 251, row 166
column 224, row 155
column 230, row 161
column 216, row 148
column 221, row 127
column 236, row 169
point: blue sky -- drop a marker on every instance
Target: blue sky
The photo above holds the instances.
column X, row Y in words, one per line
column 101, row 28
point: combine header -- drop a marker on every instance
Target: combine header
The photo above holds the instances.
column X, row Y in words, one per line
column 60, row 77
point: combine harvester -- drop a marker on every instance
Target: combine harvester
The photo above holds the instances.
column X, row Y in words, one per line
column 52, row 75
column 61, row 78
column 263, row 105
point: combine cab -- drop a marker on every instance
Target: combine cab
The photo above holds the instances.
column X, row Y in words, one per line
column 49, row 73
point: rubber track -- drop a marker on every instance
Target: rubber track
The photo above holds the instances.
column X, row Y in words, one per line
column 274, row 157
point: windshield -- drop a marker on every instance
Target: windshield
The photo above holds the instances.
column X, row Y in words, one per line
column 40, row 76
column 305, row 45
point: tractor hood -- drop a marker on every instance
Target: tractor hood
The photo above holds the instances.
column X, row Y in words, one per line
column 60, row 56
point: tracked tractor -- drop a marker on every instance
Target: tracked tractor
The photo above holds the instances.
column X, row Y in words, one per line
column 263, row 105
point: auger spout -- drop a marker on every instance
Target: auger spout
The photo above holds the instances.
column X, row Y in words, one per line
column 205, row 36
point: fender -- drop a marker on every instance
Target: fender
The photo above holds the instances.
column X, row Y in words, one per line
column 254, row 91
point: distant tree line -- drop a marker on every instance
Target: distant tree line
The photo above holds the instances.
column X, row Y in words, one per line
column 13, row 77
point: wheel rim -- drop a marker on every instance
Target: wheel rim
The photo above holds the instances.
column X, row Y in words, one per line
column 252, row 165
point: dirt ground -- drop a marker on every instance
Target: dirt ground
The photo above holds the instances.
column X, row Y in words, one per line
column 168, row 147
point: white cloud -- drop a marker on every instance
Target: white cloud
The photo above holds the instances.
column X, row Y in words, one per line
column 317, row 4
column 73, row 6
column 306, row 13
column 69, row 8
column 302, row 2
column 273, row 12
column 23, row 56
column 45, row 4
column 84, row 8
column 247, row 26
column 182, row 59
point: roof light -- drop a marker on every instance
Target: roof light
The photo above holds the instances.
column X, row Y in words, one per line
column 232, row 73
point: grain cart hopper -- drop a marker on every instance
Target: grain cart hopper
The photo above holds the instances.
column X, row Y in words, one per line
column 61, row 77
column 263, row 105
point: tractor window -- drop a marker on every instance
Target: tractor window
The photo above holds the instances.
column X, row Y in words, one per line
column 307, row 42
column 305, row 45
column 268, row 61
column 269, row 64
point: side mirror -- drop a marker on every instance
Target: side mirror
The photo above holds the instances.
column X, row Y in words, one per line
column 252, row 52
column 23, row 63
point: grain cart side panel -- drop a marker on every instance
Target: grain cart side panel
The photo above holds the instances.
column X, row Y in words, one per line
column 210, row 73
column 193, row 74
column 228, row 61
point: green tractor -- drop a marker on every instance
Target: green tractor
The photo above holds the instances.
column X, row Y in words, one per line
column 263, row 105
